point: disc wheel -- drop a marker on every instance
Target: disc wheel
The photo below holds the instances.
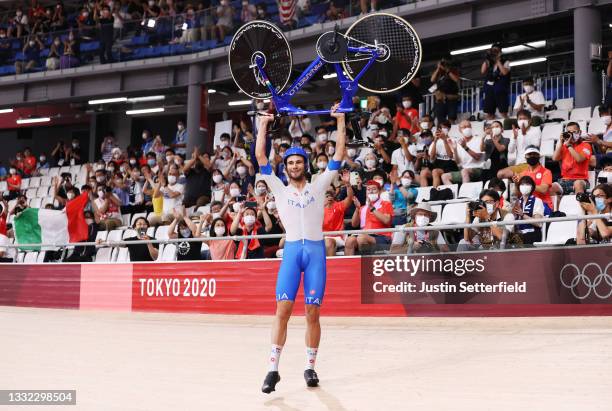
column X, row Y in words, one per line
column 259, row 38
column 402, row 52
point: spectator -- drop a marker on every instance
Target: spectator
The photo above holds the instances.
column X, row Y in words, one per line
column 363, row 4
column 86, row 24
column 64, row 190
column 147, row 144
column 58, row 20
column 468, row 155
column 333, row 215
column 485, row 210
column 106, row 207
column 528, row 207
column 496, row 69
column 13, row 184
column 262, row 13
column 522, row 136
column 142, row 252
column 82, row 254
column 445, row 80
column 72, row 52
column 225, row 21
column 29, row 162
column 442, row 153
column 55, row 52
column 158, row 146
column 574, row 154
column 300, row 126
column 404, row 195
column 133, row 188
column 404, row 157
column 219, row 249
column 419, row 241
column 172, row 193
column 197, row 180
column 532, row 101
column 185, row 250
column 246, row 223
column 495, row 148
column 336, row 10
column 107, row 147
column 19, row 25
column 5, row 47
column 499, row 186
column 248, row 12
column 204, row 15
column 120, row 17
column 407, row 117
column 179, row 145
column 604, row 176
column 191, row 26
column 598, row 230
column 4, row 209
column 541, row 176
column 31, row 54
column 7, row 254
column 104, row 21
column 602, row 144
column 376, row 213
column 74, row 153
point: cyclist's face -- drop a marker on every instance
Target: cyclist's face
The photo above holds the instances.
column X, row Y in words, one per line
column 295, row 167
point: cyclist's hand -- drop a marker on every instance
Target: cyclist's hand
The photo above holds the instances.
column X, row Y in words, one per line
column 334, row 113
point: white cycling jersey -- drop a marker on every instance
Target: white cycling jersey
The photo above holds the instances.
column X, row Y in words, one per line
column 301, row 212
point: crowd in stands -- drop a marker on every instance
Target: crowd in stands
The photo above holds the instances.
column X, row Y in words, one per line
column 56, row 36
column 399, row 169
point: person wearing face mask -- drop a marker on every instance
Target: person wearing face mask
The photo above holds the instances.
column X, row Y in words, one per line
column 183, row 227
column 55, row 52
column 299, row 126
column 496, row 69
column 172, row 192
column 499, row 186
column 531, row 100
column 179, row 145
column 13, row 182
column 31, row 55
column 442, row 154
column 197, row 171
column 602, row 143
column 522, row 136
column 82, row 254
column 19, row 25
column 260, row 192
column 574, row 154
column 333, row 217
column 495, row 147
column 106, row 207
column 540, row 175
column 152, row 162
column 64, row 190
column 42, row 164
column 468, row 156
column 72, row 51
column 419, row 241
column 142, row 252
column 132, row 188
column 246, row 223
column 527, row 207
column 107, row 146
column 225, row 21
column 147, row 142
column 218, row 249
column 599, row 230
column 404, row 158
column 29, row 162
column 445, row 80
column 245, row 173
column 485, row 210
column 407, row 116
column 404, row 194
column 106, row 35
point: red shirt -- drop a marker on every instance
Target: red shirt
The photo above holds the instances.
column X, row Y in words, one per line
column 333, row 217
column 371, row 221
column 403, row 122
column 3, row 224
column 541, row 175
column 15, row 180
column 570, row 168
column 29, row 165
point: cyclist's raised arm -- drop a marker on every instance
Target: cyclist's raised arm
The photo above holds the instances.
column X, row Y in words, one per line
column 260, row 145
column 341, row 133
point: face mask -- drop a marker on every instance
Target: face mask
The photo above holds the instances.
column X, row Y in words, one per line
column 373, row 197
column 225, row 155
column 271, row 205
column 18, row 158
column 224, row 143
column 185, row 232
column 133, row 162
column 322, row 137
column 496, row 131
column 75, row 145
column 32, row 43
column 241, row 170
column 407, row 103
column 607, row 120
column 321, row 165
column 260, row 106
column 151, row 3
column 490, row 208
column 445, row 130
column 101, row 194
column 467, row 132
column 351, row 152
column 100, row 179
column 406, row 181
column 331, row 151
column 12, row 171
column 424, row 125
column 43, row 159
column 172, row 179
column 217, row 178
column 532, row 161
column 234, row 192
column 370, row 163
column 220, row 231
column 525, row 189
column 260, row 190
column 576, row 136
column 19, row 14
column 528, row 89
column 523, row 123
column 382, row 119
column 426, row 141
column 600, row 204
column 151, row 162
column 145, row 136
column 110, row 169
column 85, row 13
column 180, row 127
column 421, row 220
column 168, row 159
column 248, row 219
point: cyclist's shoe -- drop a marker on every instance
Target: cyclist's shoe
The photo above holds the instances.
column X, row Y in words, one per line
column 270, row 381
column 311, row 377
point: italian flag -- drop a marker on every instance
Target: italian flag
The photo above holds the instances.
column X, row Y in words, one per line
column 37, row 225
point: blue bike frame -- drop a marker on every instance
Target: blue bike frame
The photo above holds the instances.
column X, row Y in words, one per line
column 349, row 87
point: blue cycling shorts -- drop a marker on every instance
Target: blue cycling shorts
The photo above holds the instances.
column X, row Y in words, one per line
column 307, row 257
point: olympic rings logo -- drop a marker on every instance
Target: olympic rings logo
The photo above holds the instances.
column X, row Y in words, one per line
column 580, row 277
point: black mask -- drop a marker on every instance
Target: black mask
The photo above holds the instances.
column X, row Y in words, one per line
column 532, row 161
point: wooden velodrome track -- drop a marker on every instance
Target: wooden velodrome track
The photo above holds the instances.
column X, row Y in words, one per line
column 148, row 361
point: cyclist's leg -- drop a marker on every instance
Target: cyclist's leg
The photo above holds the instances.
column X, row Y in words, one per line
column 314, row 289
column 287, row 284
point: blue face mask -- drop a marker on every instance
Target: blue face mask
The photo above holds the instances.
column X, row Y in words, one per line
column 600, row 203
column 151, row 162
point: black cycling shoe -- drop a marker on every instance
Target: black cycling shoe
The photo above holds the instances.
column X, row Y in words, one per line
column 269, row 384
column 311, row 377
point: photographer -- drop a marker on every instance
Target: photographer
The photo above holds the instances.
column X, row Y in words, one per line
column 486, row 209
column 142, row 252
column 527, row 207
column 496, row 70
column 600, row 202
column 445, row 80
column 419, row 241
column 574, row 154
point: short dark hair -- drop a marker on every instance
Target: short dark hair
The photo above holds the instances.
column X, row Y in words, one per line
column 211, row 232
column 497, row 182
column 527, row 180
column 141, row 218
column 525, row 113
column 604, row 109
column 529, row 80
column 491, row 193
column 572, row 123
column 606, row 188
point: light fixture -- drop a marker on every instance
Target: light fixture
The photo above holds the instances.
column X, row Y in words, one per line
column 244, row 102
column 6, row 110
column 107, row 100
column 524, row 47
column 146, row 98
column 211, row 91
column 527, row 61
column 471, row 49
column 330, row 75
column 33, row 120
column 145, row 111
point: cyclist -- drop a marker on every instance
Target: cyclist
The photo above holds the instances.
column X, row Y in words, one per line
column 300, row 207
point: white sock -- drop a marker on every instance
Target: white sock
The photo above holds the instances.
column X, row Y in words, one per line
column 311, row 357
column 275, row 357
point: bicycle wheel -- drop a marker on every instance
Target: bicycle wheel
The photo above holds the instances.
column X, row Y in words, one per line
column 402, row 57
column 259, row 38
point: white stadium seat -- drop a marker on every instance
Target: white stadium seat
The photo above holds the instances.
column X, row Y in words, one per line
column 35, row 202
column 151, row 232
column 102, row 235
column 478, row 128
column 595, row 112
column 437, row 208
column 547, row 148
column 45, row 181
column 64, row 169
column 565, row 103
column 552, row 131
column 423, row 193
column 169, row 253
column 25, row 183
column 30, row 257
column 453, row 213
column 570, row 206
column 596, row 126
column 581, row 114
column 41, row 257
column 129, row 233
column 3, row 186
column 114, row 235
column 135, row 216
column 558, row 114
column 162, row 232
column 103, row 255
column 31, row 192
column 54, row 171
column 559, row 232
column 123, row 255
column 470, row 190
column 34, row 182
column 43, row 192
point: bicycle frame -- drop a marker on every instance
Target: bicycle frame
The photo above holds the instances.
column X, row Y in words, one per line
column 349, row 87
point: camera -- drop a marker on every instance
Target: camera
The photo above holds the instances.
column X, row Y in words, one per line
column 566, row 135
column 583, row 197
column 240, row 199
column 476, row 205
